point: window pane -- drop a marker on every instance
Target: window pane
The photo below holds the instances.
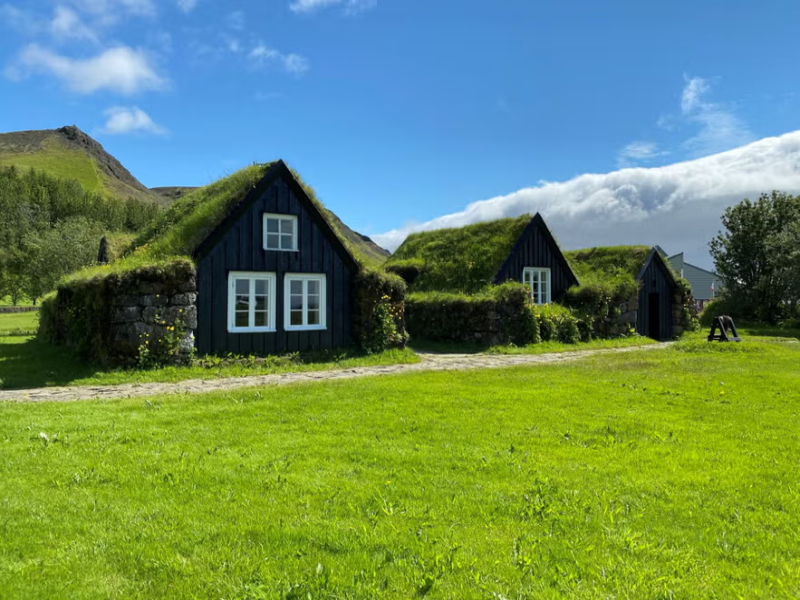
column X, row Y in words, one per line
column 287, row 226
column 242, row 302
column 313, row 287
column 262, row 319
column 273, row 241
column 286, row 242
column 296, row 317
column 296, row 302
column 313, row 317
column 272, row 225
column 261, row 303
column 297, row 287
column 544, row 276
column 243, row 286
column 262, row 285
column 242, row 319
column 313, row 302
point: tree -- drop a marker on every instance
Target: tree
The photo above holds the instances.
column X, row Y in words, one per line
column 62, row 249
column 755, row 258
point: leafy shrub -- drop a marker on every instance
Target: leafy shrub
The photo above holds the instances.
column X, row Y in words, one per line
column 717, row 308
column 559, row 323
column 379, row 311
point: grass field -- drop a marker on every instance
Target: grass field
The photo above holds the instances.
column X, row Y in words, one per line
column 16, row 324
column 668, row 474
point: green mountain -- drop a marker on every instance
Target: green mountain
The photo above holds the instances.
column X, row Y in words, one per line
column 70, row 153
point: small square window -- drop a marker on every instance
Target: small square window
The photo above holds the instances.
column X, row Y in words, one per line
column 280, row 233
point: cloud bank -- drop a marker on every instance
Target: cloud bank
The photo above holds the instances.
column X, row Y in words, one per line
column 676, row 206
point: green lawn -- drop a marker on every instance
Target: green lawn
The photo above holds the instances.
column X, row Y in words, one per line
column 15, row 324
column 667, row 474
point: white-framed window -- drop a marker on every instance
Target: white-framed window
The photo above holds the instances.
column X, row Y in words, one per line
column 304, row 302
column 280, row 232
column 538, row 279
column 251, row 302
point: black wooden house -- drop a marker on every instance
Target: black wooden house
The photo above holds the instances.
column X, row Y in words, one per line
column 657, row 297
column 467, row 259
column 274, row 276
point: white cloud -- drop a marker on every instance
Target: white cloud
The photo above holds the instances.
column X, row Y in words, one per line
column 677, row 206
column 122, row 120
column 637, row 152
column 293, row 63
column 186, row 6
column 720, row 128
column 235, row 20
column 111, row 11
column 121, row 69
column 67, row 24
column 350, row 6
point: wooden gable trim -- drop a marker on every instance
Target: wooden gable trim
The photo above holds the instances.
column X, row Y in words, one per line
column 537, row 221
column 654, row 254
column 277, row 170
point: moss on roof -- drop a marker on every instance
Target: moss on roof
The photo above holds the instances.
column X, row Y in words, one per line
column 608, row 261
column 464, row 259
column 180, row 230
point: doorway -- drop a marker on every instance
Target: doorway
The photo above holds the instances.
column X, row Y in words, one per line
column 653, row 317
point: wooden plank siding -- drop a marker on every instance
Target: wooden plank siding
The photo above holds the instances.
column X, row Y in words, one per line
column 240, row 247
column 655, row 279
column 536, row 247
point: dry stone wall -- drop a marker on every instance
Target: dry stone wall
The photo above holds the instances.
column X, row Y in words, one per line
column 147, row 316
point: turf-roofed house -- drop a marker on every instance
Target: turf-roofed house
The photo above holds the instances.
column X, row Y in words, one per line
column 662, row 307
column 464, row 271
column 250, row 265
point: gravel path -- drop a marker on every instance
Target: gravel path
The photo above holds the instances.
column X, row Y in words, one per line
column 429, row 362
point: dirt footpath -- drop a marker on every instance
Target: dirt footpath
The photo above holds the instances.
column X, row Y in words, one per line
column 429, row 362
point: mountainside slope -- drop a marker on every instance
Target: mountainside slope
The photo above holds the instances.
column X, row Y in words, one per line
column 70, row 153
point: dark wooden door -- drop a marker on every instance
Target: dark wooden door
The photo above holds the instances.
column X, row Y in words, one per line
column 653, row 317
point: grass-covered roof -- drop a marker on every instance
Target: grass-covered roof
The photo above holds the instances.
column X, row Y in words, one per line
column 608, row 261
column 181, row 229
column 463, row 259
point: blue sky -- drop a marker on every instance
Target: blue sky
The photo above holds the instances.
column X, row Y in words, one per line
column 400, row 112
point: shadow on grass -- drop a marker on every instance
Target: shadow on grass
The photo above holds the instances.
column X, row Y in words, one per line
column 429, row 347
column 30, row 362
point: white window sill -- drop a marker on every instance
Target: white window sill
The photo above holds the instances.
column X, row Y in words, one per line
column 252, row 330
column 305, row 328
column 280, row 250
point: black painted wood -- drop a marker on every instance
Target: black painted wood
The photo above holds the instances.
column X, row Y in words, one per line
column 655, row 278
column 239, row 246
column 537, row 248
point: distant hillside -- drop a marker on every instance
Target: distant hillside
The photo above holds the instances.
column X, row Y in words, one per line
column 172, row 193
column 70, row 153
